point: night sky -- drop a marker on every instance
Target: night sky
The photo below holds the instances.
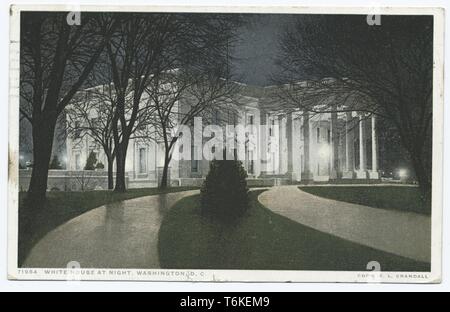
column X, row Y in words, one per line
column 257, row 48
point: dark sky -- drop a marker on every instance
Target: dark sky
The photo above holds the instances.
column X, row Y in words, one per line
column 258, row 47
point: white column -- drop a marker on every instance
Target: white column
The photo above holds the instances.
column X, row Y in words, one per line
column 348, row 143
column 361, row 173
column 374, row 145
column 263, row 134
column 334, row 145
column 374, row 173
column 280, row 145
column 257, row 151
column 289, row 140
column 306, row 172
column 362, row 147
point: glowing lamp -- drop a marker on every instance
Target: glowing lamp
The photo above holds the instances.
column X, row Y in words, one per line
column 403, row 173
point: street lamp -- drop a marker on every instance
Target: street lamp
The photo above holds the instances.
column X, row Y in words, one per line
column 403, row 174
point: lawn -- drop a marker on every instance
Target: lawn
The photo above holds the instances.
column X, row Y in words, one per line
column 63, row 206
column 261, row 240
column 403, row 198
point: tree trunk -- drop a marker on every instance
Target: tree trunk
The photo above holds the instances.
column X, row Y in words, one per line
column 110, row 160
column 423, row 178
column 164, row 179
column 43, row 133
column 120, row 173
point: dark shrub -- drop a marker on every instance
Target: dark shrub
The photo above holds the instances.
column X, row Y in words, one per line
column 224, row 194
column 91, row 161
column 55, row 163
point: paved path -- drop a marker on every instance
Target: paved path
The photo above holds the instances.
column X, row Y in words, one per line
column 402, row 233
column 119, row 235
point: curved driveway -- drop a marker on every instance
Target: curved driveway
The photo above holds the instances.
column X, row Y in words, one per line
column 401, row 233
column 118, row 235
column 125, row 234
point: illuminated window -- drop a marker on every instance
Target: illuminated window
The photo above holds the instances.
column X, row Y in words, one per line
column 194, row 162
column 77, row 162
column 142, row 160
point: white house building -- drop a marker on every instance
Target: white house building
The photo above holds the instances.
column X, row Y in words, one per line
column 307, row 148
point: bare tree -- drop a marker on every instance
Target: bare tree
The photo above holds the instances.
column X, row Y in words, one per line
column 384, row 70
column 91, row 114
column 56, row 59
column 137, row 42
column 142, row 50
column 192, row 76
column 179, row 97
column 83, row 179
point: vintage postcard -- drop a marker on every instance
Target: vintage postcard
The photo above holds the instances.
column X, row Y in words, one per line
column 253, row 144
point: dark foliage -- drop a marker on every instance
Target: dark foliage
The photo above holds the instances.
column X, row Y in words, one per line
column 382, row 70
column 91, row 162
column 55, row 61
column 55, row 163
column 224, row 195
column 100, row 166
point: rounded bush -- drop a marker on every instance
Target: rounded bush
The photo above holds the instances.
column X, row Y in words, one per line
column 91, row 161
column 224, row 194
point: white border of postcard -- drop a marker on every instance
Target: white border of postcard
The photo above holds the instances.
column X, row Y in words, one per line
column 100, row 274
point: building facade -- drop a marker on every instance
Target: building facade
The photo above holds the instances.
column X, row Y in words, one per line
column 295, row 147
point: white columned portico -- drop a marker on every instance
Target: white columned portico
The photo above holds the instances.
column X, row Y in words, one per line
column 362, row 172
